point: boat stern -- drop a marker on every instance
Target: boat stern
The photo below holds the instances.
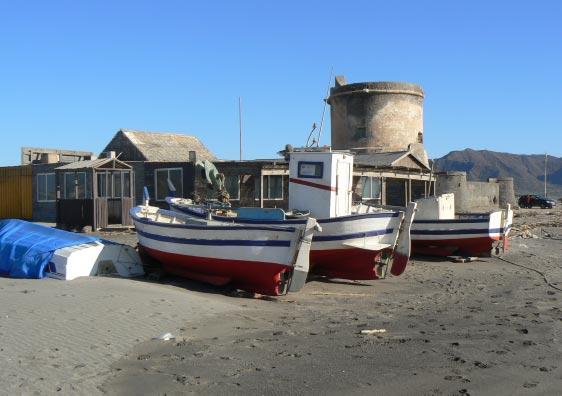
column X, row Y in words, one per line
column 402, row 249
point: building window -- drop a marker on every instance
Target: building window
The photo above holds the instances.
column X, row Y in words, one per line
column 82, row 187
column 161, row 177
column 113, row 184
column 46, row 187
column 102, row 185
column 420, row 137
column 74, row 185
column 126, row 176
column 371, row 187
column 232, row 186
column 272, row 187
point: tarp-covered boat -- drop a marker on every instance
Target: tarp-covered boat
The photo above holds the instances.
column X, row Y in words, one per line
column 257, row 258
column 29, row 250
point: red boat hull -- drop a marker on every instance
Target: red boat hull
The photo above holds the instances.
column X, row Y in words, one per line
column 481, row 246
column 353, row 264
column 252, row 276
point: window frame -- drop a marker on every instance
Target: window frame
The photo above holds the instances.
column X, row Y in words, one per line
column 46, row 175
column 267, row 194
column 238, row 178
column 363, row 198
column 75, row 174
column 168, row 176
column 317, row 163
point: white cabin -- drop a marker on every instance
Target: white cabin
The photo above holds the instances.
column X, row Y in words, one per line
column 321, row 182
column 441, row 207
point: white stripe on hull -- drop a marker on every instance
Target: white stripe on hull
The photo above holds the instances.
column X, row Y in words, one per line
column 338, row 228
column 206, row 243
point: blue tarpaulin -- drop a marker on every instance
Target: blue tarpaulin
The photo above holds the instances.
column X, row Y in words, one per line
column 26, row 248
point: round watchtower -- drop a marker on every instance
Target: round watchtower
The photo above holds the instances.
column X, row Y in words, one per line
column 372, row 117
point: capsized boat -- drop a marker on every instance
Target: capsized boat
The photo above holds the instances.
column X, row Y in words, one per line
column 353, row 245
column 438, row 231
column 257, row 258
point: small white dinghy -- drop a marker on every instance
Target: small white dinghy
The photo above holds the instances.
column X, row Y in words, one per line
column 269, row 260
column 94, row 258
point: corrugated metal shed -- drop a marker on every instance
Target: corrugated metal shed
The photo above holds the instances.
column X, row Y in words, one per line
column 16, row 192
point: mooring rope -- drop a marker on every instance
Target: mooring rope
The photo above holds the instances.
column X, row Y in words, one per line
column 531, row 269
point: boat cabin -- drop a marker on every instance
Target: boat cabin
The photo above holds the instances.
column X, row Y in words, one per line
column 96, row 193
column 320, row 181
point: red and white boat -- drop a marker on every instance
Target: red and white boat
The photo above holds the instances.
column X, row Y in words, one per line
column 257, row 258
column 438, row 231
column 356, row 246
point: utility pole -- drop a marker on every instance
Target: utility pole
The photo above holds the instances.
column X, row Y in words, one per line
column 240, row 119
column 545, row 162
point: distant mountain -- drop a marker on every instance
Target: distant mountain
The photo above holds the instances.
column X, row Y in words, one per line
column 526, row 170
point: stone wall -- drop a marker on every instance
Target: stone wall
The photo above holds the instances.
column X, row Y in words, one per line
column 470, row 196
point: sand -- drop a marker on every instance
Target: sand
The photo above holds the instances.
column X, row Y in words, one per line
column 484, row 327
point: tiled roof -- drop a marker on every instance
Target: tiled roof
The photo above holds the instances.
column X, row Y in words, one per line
column 163, row 146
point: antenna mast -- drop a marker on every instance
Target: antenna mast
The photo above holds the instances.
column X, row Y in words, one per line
column 324, row 108
column 545, row 162
column 240, row 123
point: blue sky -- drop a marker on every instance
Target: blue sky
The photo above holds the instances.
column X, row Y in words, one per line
column 74, row 72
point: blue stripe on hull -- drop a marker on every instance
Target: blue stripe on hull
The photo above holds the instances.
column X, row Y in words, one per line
column 213, row 242
column 453, row 221
column 457, row 232
column 327, row 238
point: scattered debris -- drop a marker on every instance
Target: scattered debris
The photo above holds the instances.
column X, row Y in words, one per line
column 373, row 331
column 165, row 337
column 464, row 259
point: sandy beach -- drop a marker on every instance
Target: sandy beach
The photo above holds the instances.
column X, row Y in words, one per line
column 485, row 327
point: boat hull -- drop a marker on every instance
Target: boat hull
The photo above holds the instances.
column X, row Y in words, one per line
column 253, row 258
column 334, row 252
column 470, row 235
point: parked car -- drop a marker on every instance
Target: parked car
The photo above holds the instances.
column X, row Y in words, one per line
column 529, row 201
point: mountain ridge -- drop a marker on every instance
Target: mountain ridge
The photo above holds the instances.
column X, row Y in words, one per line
column 527, row 170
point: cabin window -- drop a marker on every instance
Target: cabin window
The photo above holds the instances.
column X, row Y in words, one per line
column 113, row 184
column 311, row 170
column 102, row 185
column 46, row 187
column 272, row 187
column 69, row 190
column 232, row 186
column 117, row 188
column 74, row 185
column 82, row 187
column 126, row 184
column 161, row 177
column 371, row 187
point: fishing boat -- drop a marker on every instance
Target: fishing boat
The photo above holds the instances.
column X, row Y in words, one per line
column 438, row 231
column 353, row 245
column 257, row 258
